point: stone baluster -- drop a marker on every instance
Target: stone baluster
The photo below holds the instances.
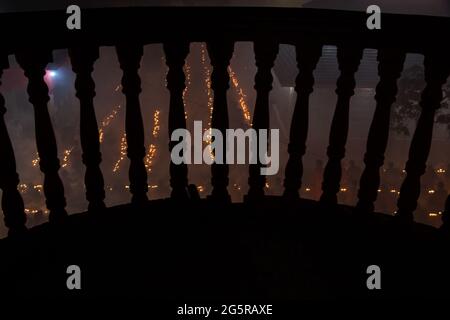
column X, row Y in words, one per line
column 129, row 59
column 220, row 53
column 176, row 53
column 390, row 66
column 437, row 70
column 265, row 55
column 34, row 62
column 12, row 202
column 308, row 56
column 348, row 59
column 83, row 59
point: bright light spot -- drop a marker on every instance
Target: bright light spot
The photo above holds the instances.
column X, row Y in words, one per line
column 50, row 77
column 435, row 214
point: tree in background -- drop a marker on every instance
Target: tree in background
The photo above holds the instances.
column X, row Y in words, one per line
column 407, row 109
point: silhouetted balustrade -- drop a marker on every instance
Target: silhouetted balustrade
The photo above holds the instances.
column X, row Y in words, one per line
column 176, row 53
column 308, row 56
column 130, row 58
column 220, row 53
column 34, row 63
column 348, row 59
column 390, row 66
column 308, row 39
column 437, row 70
column 83, row 59
column 265, row 54
column 12, row 202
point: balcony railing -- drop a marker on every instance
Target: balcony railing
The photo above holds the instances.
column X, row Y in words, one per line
column 32, row 37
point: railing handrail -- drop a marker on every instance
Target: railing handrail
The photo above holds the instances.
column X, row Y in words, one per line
column 146, row 25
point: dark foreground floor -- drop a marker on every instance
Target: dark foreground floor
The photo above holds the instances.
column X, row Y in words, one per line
column 203, row 252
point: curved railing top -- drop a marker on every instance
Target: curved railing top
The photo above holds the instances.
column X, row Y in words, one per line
column 161, row 24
